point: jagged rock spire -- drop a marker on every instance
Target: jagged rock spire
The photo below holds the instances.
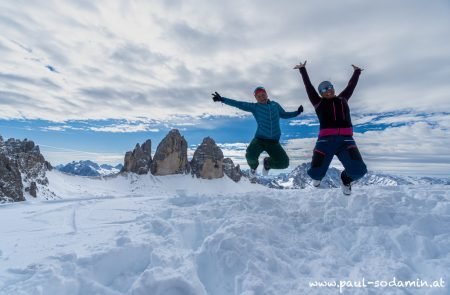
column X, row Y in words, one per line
column 207, row 161
column 139, row 160
column 171, row 155
column 233, row 172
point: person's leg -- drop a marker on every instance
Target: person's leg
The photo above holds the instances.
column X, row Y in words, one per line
column 351, row 159
column 278, row 159
column 254, row 149
column 322, row 155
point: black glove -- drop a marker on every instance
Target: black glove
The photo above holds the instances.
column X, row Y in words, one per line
column 300, row 110
column 216, row 97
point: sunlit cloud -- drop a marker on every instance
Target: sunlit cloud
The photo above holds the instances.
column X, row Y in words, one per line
column 70, row 60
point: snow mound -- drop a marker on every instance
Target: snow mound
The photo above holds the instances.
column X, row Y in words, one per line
column 180, row 235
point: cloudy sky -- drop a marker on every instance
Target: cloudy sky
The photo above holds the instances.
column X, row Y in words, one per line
column 90, row 79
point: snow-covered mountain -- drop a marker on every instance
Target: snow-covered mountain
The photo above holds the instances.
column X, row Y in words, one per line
column 180, row 235
column 89, row 168
column 299, row 179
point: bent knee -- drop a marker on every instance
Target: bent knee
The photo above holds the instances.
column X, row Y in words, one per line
column 284, row 165
column 316, row 173
column 357, row 171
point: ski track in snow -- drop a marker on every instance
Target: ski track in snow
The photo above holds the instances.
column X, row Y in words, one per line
column 180, row 236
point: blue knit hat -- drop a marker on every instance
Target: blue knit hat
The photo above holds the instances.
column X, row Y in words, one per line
column 323, row 85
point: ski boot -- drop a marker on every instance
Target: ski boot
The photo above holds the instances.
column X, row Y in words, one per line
column 346, row 184
column 316, row 183
column 266, row 167
column 252, row 175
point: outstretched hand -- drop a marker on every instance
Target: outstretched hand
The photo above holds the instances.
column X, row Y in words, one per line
column 300, row 65
column 300, row 110
column 357, row 68
column 216, row 97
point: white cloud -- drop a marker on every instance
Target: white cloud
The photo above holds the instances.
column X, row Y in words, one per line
column 60, row 128
column 112, row 126
column 153, row 59
column 399, row 119
column 56, row 156
column 361, row 120
column 233, row 146
column 186, row 124
column 304, row 122
column 125, row 128
column 442, row 120
column 415, row 148
column 56, row 128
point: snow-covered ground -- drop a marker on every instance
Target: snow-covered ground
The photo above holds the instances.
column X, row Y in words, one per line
column 177, row 235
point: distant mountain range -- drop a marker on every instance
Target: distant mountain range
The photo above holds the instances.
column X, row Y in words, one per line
column 89, row 168
column 298, row 178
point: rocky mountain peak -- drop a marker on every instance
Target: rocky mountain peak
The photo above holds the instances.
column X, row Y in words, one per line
column 171, row 155
column 233, row 172
column 21, row 166
column 140, row 159
column 207, row 161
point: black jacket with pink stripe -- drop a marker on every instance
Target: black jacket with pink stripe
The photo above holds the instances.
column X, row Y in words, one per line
column 333, row 114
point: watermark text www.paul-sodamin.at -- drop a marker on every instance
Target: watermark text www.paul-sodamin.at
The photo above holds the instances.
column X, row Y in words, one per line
column 364, row 283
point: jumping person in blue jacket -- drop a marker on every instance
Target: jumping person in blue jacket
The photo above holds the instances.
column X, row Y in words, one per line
column 336, row 130
column 267, row 114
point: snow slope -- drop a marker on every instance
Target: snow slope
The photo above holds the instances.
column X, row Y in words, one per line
column 176, row 235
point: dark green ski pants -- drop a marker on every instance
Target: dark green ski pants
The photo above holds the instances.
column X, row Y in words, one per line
column 278, row 159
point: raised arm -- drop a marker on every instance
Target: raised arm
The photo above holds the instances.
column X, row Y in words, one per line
column 242, row 105
column 245, row 106
column 313, row 96
column 288, row 115
column 348, row 91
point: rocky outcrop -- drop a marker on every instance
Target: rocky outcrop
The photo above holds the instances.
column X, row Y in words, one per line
column 171, row 155
column 11, row 188
column 32, row 189
column 233, row 172
column 207, row 161
column 140, row 159
column 21, row 165
column 171, row 158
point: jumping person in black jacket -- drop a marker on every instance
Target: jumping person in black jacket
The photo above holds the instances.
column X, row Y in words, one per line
column 336, row 130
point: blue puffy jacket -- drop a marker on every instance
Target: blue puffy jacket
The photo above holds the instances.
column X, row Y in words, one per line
column 267, row 116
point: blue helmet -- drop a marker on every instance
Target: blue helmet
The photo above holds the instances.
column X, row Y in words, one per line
column 324, row 86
